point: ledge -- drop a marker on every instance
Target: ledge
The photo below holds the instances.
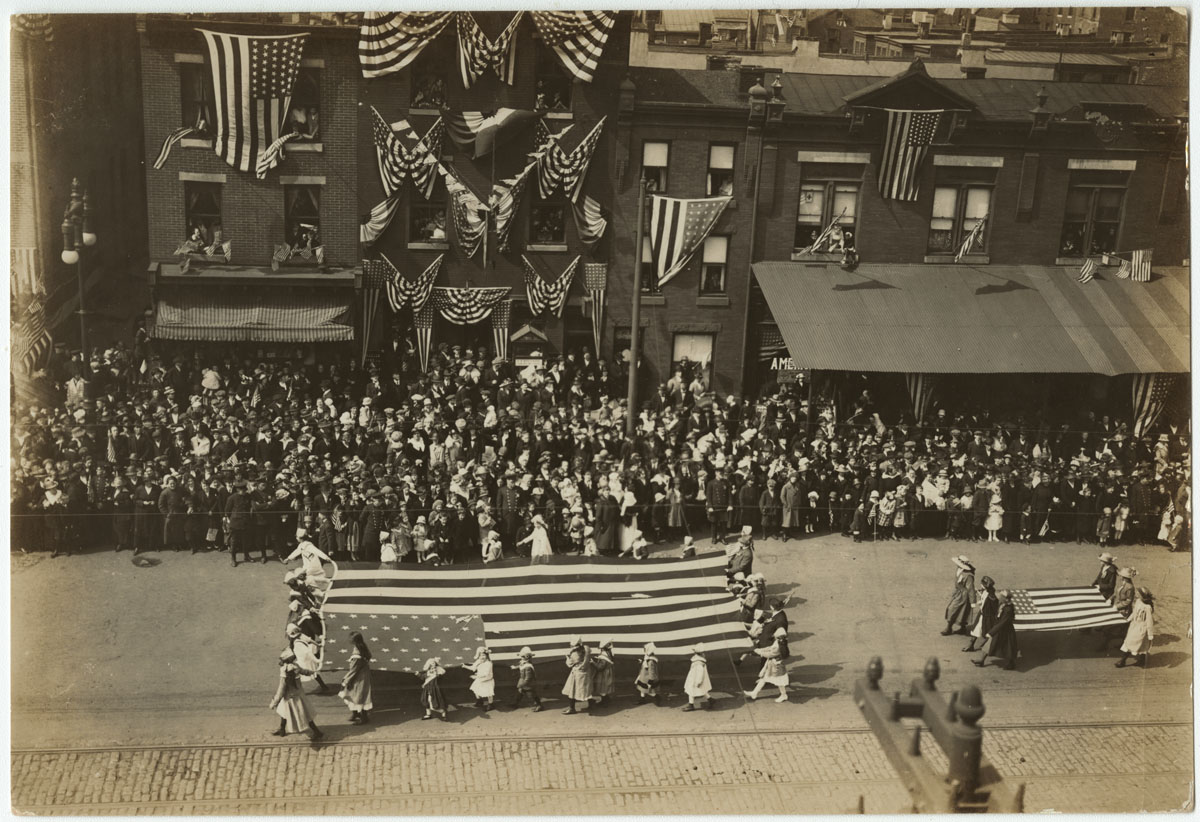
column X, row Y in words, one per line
column 196, row 142
column 948, row 259
column 431, row 112
column 817, row 257
column 713, row 301
column 653, row 299
column 301, row 180
column 302, row 148
column 559, row 115
column 1096, row 258
column 546, row 247
column 428, row 246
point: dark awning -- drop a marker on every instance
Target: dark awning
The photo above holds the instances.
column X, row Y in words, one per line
column 258, row 318
column 965, row 319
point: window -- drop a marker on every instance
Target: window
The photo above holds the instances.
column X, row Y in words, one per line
column 654, row 166
column 957, row 210
column 1129, row 13
column 553, row 84
column 427, row 220
column 649, row 275
column 304, row 114
column 820, row 204
column 1093, row 216
column 720, row 170
column 429, row 91
column 202, row 211
column 195, row 86
column 302, row 216
column 548, row 221
column 712, row 269
column 693, row 354
column 1164, row 38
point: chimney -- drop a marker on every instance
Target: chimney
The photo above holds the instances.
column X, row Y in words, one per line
column 923, row 28
column 966, row 40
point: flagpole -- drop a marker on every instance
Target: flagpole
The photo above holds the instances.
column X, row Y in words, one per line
column 636, row 318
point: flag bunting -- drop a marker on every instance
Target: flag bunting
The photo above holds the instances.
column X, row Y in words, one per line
column 477, row 52
column 396, row 162
column 677, row 228
column 464, row 306
column 905, row 143
column 379, row 219
column 470, row 227
column 34, row 26
column 389, row 40
column 548, row 295
column 415, row 293
column 506, row 195
column 577, row 37
column 590, row 221
column 558, row 168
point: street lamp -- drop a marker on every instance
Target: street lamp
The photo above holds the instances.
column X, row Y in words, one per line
column 77, row 233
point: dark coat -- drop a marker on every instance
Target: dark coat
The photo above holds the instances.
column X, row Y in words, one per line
column 1004, row 634
column 607, row 517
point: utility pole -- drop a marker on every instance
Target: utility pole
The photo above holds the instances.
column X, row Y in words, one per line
column 636, row 318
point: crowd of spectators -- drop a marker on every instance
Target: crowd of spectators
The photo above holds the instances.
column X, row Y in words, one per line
column 478, row 459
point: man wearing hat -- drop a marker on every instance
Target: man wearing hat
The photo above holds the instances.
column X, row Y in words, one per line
column 238, row 523
column 964, row 600
column 719, row 505
column 1106, row 579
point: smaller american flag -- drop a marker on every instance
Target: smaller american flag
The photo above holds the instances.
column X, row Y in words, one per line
column 972, row 240
column 1088, row 272
column 1062, row 609
column 1141, row 265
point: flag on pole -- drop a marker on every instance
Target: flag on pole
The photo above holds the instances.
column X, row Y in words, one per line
column 480, row 132
column 677, row 228
column 974, row 238
column 389, row 40
column 1062, row 609
column 824, row 236
column 252, row 80
column 1150, row 393
column 1140, row 265
column 577, row 37
column 1088, row 272
column 676, row 604
column 423, row 324
column 905, row 143
column 477, row 52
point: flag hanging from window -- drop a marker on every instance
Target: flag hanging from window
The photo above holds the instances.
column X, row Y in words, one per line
column 973, row 239
column 905, row 143
column 477, row 52
column 1150, row 393
column 547, row 295
column 568, row 170
column 1062, row 609
column 252, row 84
column 390, row 40
column 824, row 236
column 677, row 228
column 577, row 37
column 1088, row 272
column 479, row 132
column 468, row 212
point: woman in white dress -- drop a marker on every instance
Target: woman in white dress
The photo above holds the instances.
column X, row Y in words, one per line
column 773, row 671
column 1141, row 629
column 483, row 680
column 540, row 550
column 698, row 685
column 629, row 520
column 995, row 517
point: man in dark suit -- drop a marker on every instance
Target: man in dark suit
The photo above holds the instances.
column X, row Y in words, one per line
column 607, row 518
column 237, row 517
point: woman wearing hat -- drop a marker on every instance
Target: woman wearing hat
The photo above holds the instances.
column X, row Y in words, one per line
column 527, row 679
column 1106, row 579
column 308, row 655
column 290, row 701
column 431, row 689
column 983, row 616
column 964, row 600
column 1122, row 601
column 773, row 671
column 578, row 687
column 1140, row 634
column 646, row 681
column 356, row 684
column 483, row 679
column 1002, row 636
column 697, row 685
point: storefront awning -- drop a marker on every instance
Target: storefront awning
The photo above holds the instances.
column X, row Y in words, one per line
column 255, row 318
column 964, row 319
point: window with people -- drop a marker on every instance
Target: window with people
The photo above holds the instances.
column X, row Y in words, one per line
column 713, row 265
column 548, row 221
column 196, row 96
column 302, row 217
column 1092, row 215
column 429, row 92
column 826, row 216
column 304, row 112
column 655, row 156
column 427, row 220
column 552, row 87
column 720, row 170
column 202, row 213
column 692, row 356
column 957, row 212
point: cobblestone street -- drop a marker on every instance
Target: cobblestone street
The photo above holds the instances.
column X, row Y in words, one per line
column 1136, row 767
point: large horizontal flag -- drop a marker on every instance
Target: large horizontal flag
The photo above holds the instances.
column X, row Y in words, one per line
column 673, row 603
column 1063, row 609
column 677, row 227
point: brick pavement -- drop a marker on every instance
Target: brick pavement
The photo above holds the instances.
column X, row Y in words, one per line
column 1072, row 769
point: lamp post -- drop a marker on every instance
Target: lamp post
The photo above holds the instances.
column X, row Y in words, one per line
column 77, row 233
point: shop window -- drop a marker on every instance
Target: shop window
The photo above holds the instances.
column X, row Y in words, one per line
column 302, row 216
column 1092, row 220
column 957, row 210
column 552, row 84
column 202, row 211
column 693, row 354
column 548, row 221
column 654, row 166
column 196, row 93
column 820, row 204
column 712, row 268
column 649, row 274
column 429, row 91
column 720, row 170
column 304, row 113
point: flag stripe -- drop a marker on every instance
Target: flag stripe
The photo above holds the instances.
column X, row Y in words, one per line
column 1060, row 609
column 389, row 41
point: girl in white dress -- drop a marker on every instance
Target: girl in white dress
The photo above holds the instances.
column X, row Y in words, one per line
column 540, row 550
column 698, row 685
column 773, row 671
column 483, row 680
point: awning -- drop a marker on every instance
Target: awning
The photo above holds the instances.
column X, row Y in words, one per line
column 256, row 318
column 963, row 319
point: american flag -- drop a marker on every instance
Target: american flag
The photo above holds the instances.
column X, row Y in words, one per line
column 558, row 168
column 402, row 292
column 397, row 162
column 1141, row 265
column 379, row 219
column 480, row 132
column 34, row 26
column 1150, row 393
column 468, row 211
column 577, row 37
column 390, row 40
column 31, row 338
column 1088, row 272
column 501, row 320
column 590, row 221
column 595, row 280
column 973, row 239
column 252, row 83
column 906, row 140
column 418, row 612
column 423, row 323
column 547, row 295
column 677, row 228
column 477, row 52
column 1062, row 609
column 466, row 306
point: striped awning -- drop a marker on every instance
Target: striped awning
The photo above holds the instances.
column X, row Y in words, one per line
column 253, row 318
column 964, row 319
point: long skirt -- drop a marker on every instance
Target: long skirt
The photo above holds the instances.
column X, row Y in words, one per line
column 296, row 712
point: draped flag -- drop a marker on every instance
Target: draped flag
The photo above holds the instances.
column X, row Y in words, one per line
column 273, row 155
column 501, row 319
column 920, row 391
column 378, row 220
column 577, row 37
column 558, row 168
column 545, row 295
column 595, row 281
column 31, row 339
column 590, row 221
column 252, row 83
column 1062, row 609
column 677, row 228
column 506, row 195
column 374, row 280
column 414, row 294
column 1088, row 272
column 464, row 306
column 172, row 140
column 973, row 239
column 676, row 604
column 905, row 143
column 423, row 323
column 396, row 162
column 480, row 133
column 469, row 227
column 477, row 52
column 390, row 40
column 1150, row 393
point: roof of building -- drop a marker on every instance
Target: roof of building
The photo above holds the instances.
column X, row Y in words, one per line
column 1056, row 57
column 689, row 20
column 964, row 319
